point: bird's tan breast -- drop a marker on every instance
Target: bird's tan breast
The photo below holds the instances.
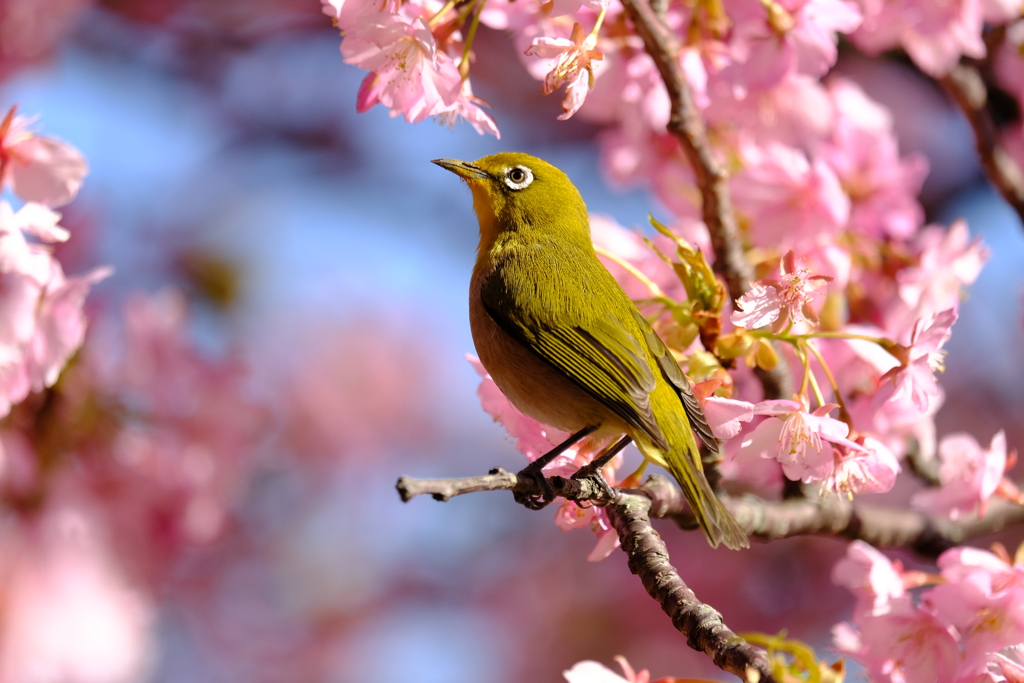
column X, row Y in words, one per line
column 533, row 386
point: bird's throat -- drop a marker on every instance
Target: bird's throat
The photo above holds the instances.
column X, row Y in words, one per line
column 484, row 205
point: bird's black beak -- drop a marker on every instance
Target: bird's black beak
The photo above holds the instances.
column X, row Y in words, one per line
column 463, row 169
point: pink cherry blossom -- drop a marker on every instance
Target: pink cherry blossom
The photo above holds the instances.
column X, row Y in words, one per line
column 790, row 199
column 948, row 261
column 41, row 308
column 780, row 302
column 408, row 74
column 630, row 93
column 627, row 246
column 39, row 169
column 589, row 671
column 726, row 416
column 796, row 113
column 165, row 479
column 771, row 40
column 348, row 14
column 1001, row 11
column 572, row 516
column 871, row 576
column 799, row 440
column 870, row 469
column 934, row 34
column 1007, row 665
column 915, row 377
column 70, row 612
column 905, row 644
column 969, row 476
column 571, row 64
column 863, row 152
column 531, row 437
column 469, row 107
column 986, row 608
column 571, row 7
column 534, row 439
column 747, row 470
column 511, row 15
column 957, row 564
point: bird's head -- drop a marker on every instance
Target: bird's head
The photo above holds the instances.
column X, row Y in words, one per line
column 521, row 194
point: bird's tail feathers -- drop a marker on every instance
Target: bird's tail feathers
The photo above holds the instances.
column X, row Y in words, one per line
column 716, row 522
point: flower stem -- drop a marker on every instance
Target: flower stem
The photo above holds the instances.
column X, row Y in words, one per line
column 634, row 271
column 814, row 385
column 439, row 15
column 597, row 24
column 802, row 354
column 464, row 62
column 844, row 414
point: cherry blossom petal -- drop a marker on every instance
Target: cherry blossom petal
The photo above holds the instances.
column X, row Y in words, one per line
column 725, row 416
column 870, row 575
column 760, row 306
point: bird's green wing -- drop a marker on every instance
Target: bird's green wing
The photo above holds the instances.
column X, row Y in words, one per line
column 673, row 373
column 600, row 355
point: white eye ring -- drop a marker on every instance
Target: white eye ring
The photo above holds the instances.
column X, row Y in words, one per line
column 518, row 177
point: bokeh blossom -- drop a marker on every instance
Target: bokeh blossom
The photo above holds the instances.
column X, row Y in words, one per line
column 594, row 672
column 38, row 168
column 969, row 476
column 42, row 309
column 915, row 377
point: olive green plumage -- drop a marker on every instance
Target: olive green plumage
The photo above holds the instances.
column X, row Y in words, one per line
column 563, row 341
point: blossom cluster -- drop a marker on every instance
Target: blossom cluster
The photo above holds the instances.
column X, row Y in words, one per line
column 43, row 323
column 405, row 47
column 963, row 625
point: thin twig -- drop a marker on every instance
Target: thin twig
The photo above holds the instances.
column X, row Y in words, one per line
column 965, row 85
column 687, row 125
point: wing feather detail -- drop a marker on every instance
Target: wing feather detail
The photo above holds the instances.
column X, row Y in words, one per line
column 600, row 355
column 674, row 374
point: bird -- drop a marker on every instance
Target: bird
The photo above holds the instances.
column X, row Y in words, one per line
column 566, row 345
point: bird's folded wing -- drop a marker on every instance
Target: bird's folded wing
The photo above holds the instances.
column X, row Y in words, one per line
column 674, row 374
column 600, row 356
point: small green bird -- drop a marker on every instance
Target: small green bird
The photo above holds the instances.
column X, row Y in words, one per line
column 565, row 344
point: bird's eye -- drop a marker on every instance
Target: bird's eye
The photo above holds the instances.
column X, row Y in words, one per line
column 518, row 177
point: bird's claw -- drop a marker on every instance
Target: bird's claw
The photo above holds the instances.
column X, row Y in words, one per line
column 531, row 501
column 588, row 472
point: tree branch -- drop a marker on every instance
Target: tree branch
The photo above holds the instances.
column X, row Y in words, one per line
column 701, row 624
column 881, row 526
column 686, row 124
column 628, row 511
column 688, row 127
column 965, row 86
